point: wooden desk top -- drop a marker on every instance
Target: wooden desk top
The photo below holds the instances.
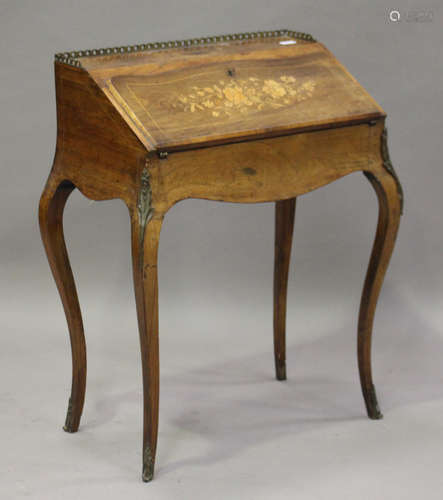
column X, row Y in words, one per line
column 196, row 93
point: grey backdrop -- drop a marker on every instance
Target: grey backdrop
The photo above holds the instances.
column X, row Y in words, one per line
column 227, row 428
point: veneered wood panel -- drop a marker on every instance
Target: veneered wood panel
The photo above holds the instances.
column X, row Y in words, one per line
column 264, row 170
column 200, row 96
column 94, row 144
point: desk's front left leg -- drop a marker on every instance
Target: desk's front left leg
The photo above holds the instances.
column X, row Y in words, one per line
column 52, row 204
column 145, row 240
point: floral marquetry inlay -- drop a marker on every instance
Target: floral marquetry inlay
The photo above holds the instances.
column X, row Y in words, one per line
column 244, row 95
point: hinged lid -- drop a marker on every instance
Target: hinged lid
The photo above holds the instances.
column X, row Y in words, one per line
column 195, row 93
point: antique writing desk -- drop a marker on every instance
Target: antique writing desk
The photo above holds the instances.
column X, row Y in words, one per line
column 253, row 117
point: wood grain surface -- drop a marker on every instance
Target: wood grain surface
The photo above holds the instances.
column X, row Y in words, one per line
column 243, row 122
column 187, row 97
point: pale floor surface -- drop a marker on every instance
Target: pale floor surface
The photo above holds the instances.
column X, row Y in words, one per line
column 228, row 429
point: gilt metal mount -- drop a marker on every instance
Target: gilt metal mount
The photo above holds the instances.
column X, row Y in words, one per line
column 69, row 425
column 144, row 204
column 72, row 58
column 148, row 465
column 389, row 167
column 373, row 407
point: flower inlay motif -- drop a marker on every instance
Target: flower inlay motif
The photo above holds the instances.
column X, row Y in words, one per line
column 245, row 95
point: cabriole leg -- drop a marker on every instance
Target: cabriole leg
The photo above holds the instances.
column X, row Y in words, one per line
column 284, row 227
column 51, row 208
column 145, row 240
column 389, row 195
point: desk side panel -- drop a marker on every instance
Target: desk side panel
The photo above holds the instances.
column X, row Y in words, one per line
column 96, row 150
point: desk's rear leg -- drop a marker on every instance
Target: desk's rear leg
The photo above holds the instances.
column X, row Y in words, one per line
column 51, row 208
column 284, row 227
